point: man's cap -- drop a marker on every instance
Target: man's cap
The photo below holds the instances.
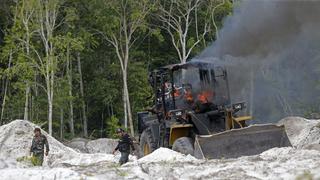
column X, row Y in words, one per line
column 119, row 130
column 37, row 129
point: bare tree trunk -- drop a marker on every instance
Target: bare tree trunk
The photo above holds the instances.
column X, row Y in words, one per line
column 32, row 104
column 213, row 19
column 127, row 101
column 125, row 109
column 85, row 121
column 50, row 89
column 26, row 105
column 36, row 92
column 50, row 116
column 26, row 22
column 69, row 76
column 111, row 110
column 5, row 90
column 4, row 100
column 61, row 123
column 102, row 120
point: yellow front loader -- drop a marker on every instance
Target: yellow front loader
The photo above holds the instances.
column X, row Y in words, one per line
column 193, row 114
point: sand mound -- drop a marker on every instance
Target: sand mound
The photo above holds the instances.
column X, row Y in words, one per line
column 78, row 144
column 16, row 138
column 15, row 142
column 165, row 154
column 302, row 132
column 102, row 145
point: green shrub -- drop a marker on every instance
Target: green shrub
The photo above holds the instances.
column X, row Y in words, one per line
column 112, row 126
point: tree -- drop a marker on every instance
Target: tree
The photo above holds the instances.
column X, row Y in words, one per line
column 177, row 17
column 17, row 48
column 65, row 45
column 218, row 9
column 55, row 65
column 125, row 20
column 46, row 15
column 25, row 13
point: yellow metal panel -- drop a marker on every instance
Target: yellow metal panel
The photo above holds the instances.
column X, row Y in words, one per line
column 179, row 130
column 229, row 121
column 242, row 118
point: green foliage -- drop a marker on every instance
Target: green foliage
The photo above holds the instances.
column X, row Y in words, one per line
column 83, row 27
column 307, row 175
column 29, row 159
column 113, row 125
column 35, row 161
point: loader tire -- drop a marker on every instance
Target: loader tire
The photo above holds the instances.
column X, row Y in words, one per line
column 183, row 145
column 147, row 144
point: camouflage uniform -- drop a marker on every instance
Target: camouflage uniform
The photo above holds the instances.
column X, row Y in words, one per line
column 124, row 147
column 37, row 148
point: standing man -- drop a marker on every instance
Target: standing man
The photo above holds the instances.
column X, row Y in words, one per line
column 123, row 146
column 37, row 147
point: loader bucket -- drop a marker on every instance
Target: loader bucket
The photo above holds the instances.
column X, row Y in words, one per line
column 246, row 141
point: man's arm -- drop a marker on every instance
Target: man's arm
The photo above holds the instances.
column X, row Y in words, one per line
column 116, row 149
column 32, row 145
column 131, row 144
column 47, row 145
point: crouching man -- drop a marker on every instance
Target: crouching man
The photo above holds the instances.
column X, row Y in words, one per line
column 123, row 146
column 37, row 147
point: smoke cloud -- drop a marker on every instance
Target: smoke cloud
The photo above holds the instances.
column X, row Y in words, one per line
column 272, row 53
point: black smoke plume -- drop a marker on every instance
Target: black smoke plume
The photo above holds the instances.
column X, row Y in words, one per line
column 271, row 49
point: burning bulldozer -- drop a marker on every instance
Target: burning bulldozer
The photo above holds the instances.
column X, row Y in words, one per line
column 193, row 114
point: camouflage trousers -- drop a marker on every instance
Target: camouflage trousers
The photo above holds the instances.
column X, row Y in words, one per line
column 37, row 159
column 124, row 157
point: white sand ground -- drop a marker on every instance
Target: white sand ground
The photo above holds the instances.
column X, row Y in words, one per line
column 300, row 161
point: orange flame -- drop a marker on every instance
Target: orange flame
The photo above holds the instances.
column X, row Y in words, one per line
column 205, row 96
column 176, row 93
column 188, row 96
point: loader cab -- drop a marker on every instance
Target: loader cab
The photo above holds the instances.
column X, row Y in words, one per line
column 185, row 86
column 200, row 83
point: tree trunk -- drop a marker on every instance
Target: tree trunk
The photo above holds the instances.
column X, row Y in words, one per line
column 127, row 102
column 50, row 89
column 125, row 109
column 27, row 36
column 50, row 116
column 32, row 103
column 111, row 110
column 102, row 120
column 213, row 18
column 61, row 123
column 5, row 90
column 26, row 109
column 4, row 100
column 85, row 126
column 69, row 75
column 36, row 93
